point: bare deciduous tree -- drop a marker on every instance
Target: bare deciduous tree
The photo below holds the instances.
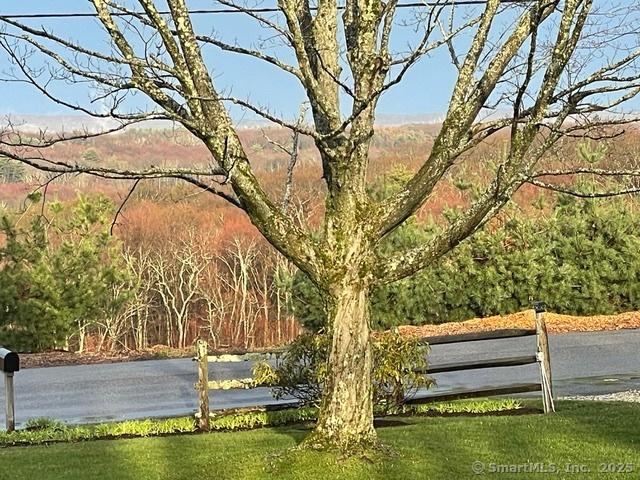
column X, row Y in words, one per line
column 540, row 70
column 177, row 273
column 244, row 296
column 132, row 322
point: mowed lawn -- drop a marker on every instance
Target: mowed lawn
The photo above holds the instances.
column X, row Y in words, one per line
column 581, row 436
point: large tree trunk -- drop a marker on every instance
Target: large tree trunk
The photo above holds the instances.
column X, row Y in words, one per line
column 346, row 415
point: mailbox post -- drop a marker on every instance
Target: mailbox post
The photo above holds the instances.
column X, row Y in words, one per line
column 9, row 364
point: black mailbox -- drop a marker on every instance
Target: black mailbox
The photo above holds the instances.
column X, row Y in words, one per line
column 9, row 361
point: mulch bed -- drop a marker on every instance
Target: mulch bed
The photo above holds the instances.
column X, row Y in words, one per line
column 555, row 324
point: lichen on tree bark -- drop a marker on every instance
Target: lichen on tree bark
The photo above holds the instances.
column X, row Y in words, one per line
column 346, row 409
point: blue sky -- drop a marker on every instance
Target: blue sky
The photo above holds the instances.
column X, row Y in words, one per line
column 426, row 89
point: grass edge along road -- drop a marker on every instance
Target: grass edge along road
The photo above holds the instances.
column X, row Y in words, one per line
column 583, row 440
column 45, row 430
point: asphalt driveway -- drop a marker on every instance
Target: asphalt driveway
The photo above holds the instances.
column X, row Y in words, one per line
column 582, row 363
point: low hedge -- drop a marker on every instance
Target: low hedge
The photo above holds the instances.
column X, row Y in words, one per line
column 43, row 430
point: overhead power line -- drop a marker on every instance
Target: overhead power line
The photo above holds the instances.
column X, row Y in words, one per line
column 444, row 3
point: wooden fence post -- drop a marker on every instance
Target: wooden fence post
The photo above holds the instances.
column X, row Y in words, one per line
column 202, row 352
column 543, row 358
column 9, row 405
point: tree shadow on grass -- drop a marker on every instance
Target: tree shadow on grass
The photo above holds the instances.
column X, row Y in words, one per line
column 408, row 446
column 226, row 455
column 217, row 455
column 95, row 460
column 420, row 447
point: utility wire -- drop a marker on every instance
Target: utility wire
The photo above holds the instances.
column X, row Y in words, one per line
column 444, row 3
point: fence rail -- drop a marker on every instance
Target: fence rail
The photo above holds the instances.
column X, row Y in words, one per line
column 475, row 393
column 481, row 364
column 478, row 336
column 541, row 357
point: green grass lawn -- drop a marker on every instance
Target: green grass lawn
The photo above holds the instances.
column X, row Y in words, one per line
column 583, row 435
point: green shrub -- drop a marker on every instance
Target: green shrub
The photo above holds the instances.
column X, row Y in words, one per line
column 46, row 430
column 45, row 423
column 301, row 371
column 463, row 406
column 257, row 419
column 144, row 428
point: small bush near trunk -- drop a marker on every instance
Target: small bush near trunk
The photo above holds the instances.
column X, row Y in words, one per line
column 301, row 371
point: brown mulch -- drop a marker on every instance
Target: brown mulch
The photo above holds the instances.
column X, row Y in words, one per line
column 555, row 324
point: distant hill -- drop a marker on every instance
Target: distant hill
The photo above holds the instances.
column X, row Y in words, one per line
column 70, row 123
column 396, row 119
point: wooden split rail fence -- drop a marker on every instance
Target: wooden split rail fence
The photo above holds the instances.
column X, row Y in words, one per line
column 540, row 356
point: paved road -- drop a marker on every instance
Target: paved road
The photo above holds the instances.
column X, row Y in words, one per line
column 583, row 363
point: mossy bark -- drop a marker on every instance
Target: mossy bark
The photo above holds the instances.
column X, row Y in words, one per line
column 346, row 413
